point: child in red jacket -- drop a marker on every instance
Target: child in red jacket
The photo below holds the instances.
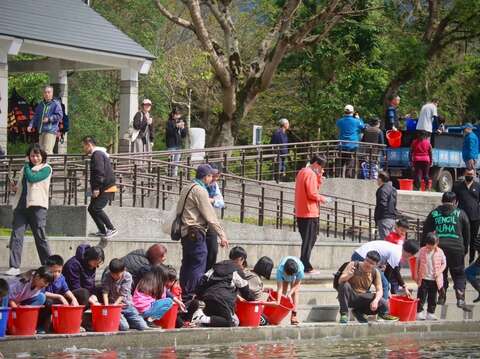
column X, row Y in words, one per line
column 400, row 232
column 421, row 158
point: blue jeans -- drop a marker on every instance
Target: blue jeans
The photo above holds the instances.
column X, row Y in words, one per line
column 131, row 319
column 158, row 309
column 175, row 158
column 39, row 299
column 194, row 262
column 385, row 283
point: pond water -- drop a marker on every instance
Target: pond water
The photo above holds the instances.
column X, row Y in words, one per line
column 398, row 346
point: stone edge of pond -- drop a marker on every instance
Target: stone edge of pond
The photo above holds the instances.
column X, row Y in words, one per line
column 218, row 336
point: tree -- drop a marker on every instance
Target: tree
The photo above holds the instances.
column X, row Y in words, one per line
column 425, row 32
column 295, row 26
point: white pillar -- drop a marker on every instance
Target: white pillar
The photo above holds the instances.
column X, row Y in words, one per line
column 3, row 98
column 58, row 80
column 128, row 104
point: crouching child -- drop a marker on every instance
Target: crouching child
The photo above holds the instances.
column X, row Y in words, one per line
column 27, row 290
column 117, row 289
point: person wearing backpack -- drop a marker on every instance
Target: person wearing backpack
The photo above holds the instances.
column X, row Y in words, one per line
column 353, row 282
column 196, row 216
column 142, row 134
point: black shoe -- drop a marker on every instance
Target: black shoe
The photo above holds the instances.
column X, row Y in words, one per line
column 442, row 296
column 462, row 305
column 360, row 317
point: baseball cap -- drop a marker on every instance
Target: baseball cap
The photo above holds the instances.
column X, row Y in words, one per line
column 349, row 109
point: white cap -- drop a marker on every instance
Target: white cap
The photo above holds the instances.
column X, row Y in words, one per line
column 146, row 102
column 349, row 109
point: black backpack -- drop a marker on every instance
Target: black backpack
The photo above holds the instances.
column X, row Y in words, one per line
column 338, row 273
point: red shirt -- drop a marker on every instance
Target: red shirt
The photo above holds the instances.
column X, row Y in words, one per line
column 395, row 238
column 421, row 151
column 307, row 198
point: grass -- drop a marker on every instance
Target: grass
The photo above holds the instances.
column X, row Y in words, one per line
column 267, row 221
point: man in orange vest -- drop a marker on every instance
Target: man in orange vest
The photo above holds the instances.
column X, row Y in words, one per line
column 307, row 202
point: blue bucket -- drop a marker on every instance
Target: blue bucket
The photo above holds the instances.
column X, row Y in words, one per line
column 3, row 320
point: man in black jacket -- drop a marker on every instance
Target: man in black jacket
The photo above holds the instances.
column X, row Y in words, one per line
column 468, row 196
column 386, row 205
column 102, row 183
column 452, row 227
column 174, row 133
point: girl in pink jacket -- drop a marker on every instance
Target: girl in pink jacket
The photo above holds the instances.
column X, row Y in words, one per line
column 431, row 263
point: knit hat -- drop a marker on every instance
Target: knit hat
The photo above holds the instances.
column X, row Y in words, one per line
column 203, row 171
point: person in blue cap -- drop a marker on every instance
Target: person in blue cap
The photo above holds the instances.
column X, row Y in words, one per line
column 470, row 147
column 197, row 216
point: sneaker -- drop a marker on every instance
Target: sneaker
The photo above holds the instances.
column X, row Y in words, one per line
column 343, row 319
column 360, row 317
column 442, row 296
column 294, row 320
column 13, row 271
column 462, row 305
column 387, row 317
column 110, row 233
column 197, row 318
column 431, row 316
column 421, row 316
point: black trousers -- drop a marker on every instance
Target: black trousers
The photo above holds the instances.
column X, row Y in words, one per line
column 99, row 216
column 427, row 292
column 220, row 316
column 308, row 228
column 212, row 248
column 348, row 298
column 456, row 267
column 474, row 227
column 36, row 218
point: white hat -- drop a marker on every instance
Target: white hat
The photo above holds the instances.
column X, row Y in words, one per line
column 146, row 102
column 349, row 109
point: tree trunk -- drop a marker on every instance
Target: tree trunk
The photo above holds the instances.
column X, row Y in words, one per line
column 394, row 85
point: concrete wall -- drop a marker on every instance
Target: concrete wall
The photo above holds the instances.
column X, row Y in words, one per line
column 324, row 255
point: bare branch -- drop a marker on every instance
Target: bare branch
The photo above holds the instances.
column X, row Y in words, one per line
column 314, row 39
column 175, row 19
column 218, row 15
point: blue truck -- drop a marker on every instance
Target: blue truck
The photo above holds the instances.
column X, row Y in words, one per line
column 448, row 165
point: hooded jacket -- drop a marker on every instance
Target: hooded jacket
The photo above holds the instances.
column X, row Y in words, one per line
column 174, row 135
column 222, row 283
column 452, row 227
column 386, row 205
column 77, row 273
column 101, row 172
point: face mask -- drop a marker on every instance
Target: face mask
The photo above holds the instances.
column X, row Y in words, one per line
column 468, row 178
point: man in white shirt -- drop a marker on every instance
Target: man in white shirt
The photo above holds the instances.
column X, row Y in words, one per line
column 428, row 114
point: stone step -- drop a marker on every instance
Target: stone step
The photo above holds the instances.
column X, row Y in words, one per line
column 325, row 255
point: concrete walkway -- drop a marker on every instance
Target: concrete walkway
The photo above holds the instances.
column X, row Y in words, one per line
column 221, row 336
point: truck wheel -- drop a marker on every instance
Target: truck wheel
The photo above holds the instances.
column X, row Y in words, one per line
column 445, row 181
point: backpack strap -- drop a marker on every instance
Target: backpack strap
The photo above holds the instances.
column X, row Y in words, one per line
column 185, row 201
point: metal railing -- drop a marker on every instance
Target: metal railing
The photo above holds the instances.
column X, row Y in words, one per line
column 148, row 181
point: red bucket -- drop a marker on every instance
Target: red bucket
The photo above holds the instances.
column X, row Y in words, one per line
column 412, row 261
column 106, row 318
column 23, row 320
column 403, row 307
column 405, row 184
column 276, row 313
column 169, row 318
column 394, row 138
column 249, row 313
column 66, row 319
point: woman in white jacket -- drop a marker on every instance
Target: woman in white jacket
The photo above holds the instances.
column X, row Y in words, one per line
column 30, row 206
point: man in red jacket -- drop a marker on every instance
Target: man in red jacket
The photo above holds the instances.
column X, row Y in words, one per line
column 307, row 202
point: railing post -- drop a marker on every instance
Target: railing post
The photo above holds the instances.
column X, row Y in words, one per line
column 157, row 201
column 142, row 194
column 242, row 164
column 261, row 209
column 370, row 223
column 281, row 209
column 189, row 162
column 260, row 175
column 224, row 182
column 336, row 219
column 134, row 189
column 120, row 187
column 242, row 203
column 86, row 183
column 328, row 225
column 164, row 196
column 353, row 222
